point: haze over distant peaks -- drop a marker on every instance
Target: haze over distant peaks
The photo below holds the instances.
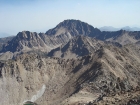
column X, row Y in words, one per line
column 126, row 28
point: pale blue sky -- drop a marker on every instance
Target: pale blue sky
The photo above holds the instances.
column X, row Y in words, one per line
column 41, row 15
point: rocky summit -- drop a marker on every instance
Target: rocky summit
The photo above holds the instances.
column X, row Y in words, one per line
column 71, row 64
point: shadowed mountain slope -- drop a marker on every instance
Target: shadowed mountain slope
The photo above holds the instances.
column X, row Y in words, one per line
column 5, row 40
column 76, row 47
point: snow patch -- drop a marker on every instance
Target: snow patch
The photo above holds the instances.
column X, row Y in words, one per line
column 39, row 94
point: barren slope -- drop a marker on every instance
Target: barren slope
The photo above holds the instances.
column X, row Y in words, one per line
column 110, row 70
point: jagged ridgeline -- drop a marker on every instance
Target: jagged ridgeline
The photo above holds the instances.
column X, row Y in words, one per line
column 71, row 64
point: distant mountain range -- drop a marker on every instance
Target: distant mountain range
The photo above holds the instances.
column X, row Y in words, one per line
column 127, row 28
column 26, row 41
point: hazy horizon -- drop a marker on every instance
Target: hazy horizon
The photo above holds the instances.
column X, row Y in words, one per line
column 41, row 15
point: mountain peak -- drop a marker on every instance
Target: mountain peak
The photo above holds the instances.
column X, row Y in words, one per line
column 69, row 21
column 74, row 28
